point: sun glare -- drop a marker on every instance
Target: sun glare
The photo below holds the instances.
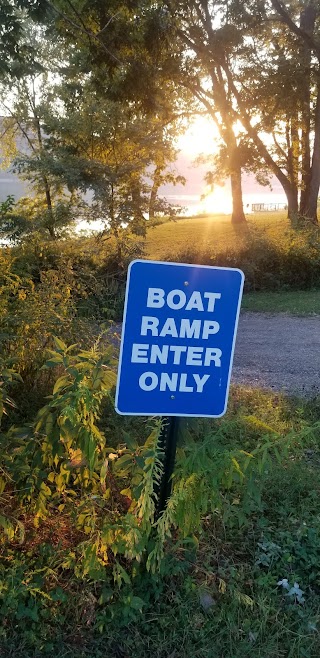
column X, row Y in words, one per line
column 202, row 138
column 218, row 202
column 199, row 138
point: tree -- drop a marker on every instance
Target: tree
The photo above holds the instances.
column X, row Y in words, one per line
column 231, row 50
column 254, row 64
column 24, row 139
column 199, row 71
column 15, row 56
column 276, row 94
column 302, row 20
column 141, row 55
column 111, row 151
column 84, row 136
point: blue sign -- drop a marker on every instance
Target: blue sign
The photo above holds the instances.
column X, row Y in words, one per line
column 178, row 338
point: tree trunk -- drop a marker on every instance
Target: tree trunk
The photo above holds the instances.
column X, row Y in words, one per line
column 50, row 224
column 292, row 139
column 238, row 216
column 307, row 23
column 234, row 166
column 138, row 222
column 154, row 191
column 312, row 191
column 289, row 188
column 115, row 224
column 222, row 101
column 293, row 208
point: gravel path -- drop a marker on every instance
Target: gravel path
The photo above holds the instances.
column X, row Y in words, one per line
column 275, row 351
column 279, row 351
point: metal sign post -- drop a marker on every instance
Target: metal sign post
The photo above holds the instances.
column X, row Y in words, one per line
column 168, row 443
column 177, row 344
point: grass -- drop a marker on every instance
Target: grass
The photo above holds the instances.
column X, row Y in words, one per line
column 219, row 601
column 214, row 232
column 296, row 302
column 281, row 266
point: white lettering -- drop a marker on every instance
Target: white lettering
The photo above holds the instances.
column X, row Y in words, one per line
column 169, row 328
column 213, row 354
column 177, row 351
column 168, row 381
column 160, row 353
column 180, row 303
column 212, row 297
column 194, row 356
column 200, row 382
column 148, row 381
column 183, row 388
column 190, row 329
column 210, row 327
column 195, row 301
column 143, row 381
column 139, row 353
column 155, row 298
column 149, row 324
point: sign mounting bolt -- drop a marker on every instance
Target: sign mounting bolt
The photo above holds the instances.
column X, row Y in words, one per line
column 172, row 397
column 186, row 283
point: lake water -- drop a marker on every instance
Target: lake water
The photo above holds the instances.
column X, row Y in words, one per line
column 193, row 205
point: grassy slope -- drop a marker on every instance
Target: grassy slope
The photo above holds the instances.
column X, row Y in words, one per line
column 214, row 232
column 217, row 233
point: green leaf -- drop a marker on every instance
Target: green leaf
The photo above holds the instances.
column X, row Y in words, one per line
column 130, row 442
column 71, row 347
column 123, row 464
column 7, row 527
column 103, row 472
column 60, row 345
column 110, row 379
column 52, row 362
column 49, row 424
column 61, row 383
column 237, row 466
column 136, row 603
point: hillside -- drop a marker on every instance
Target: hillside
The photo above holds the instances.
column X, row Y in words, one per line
column 214, row 231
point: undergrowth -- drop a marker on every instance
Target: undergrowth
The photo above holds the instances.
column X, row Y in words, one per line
column 281, row 260
column 87, row 568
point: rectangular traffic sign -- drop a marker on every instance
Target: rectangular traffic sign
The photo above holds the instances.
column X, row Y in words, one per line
column 178, row 338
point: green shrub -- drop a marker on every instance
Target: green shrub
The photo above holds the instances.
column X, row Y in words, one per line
column 292, row 263
column 95, row 275
column 78, row 502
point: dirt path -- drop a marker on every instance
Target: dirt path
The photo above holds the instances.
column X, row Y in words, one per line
column 278, row 351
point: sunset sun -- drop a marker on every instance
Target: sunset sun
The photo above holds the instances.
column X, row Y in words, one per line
column 200, row 137
column 218, row 202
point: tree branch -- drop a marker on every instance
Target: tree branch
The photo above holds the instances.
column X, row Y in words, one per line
column 253, row 134
column 84, row 30
column 279, row 147
column 309, row 40
column 20, row 126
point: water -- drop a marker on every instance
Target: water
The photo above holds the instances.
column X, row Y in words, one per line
column 221, row 202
